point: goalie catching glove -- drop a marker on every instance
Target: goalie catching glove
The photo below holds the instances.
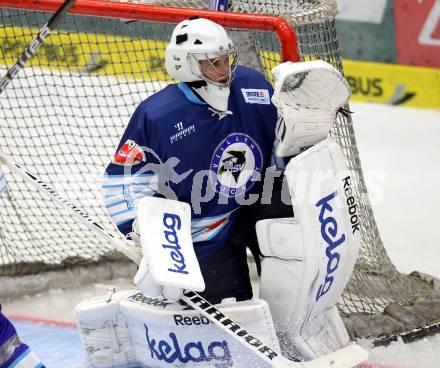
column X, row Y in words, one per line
column 308, row 96
column 169, row 264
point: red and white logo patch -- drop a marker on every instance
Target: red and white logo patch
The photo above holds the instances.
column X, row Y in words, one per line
column 129, row 154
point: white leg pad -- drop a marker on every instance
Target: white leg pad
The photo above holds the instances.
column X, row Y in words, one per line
column 287, row 270
column 309, row 259
column 323, row 334
column 132, row 330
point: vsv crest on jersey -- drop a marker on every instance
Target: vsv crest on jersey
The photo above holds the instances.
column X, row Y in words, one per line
column 194, row 351
column 329, row 232
column 256, row 96
column 236, row 163
column 130, row 153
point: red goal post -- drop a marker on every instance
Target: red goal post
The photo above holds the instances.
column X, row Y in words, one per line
column 168, row 14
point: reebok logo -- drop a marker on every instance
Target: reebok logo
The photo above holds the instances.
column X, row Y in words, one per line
column 351, row 203
column 180, row 320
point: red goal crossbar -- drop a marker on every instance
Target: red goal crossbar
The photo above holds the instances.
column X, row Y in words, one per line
column 168, row 14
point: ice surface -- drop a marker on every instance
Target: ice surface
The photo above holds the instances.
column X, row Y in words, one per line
column 57, row 347
column 400, row 155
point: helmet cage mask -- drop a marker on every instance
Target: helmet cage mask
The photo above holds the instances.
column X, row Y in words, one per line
column 223, row 79
column 201, row 39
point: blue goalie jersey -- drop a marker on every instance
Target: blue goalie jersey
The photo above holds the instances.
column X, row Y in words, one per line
column 176, row 146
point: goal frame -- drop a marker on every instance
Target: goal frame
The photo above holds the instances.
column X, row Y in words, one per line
column 167, row 14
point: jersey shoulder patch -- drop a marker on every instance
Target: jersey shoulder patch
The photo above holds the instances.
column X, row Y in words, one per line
column 129, row 154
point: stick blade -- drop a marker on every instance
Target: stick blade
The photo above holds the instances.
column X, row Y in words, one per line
column 347, row 357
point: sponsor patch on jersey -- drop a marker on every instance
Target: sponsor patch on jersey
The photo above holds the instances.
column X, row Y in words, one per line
column 256, row 96
column 182, row 130
column 129, row 154
column 236, row 164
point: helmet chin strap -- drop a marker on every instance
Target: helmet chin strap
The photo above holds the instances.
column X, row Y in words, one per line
column 215, row 96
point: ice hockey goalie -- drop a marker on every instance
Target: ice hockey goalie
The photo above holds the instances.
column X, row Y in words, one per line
column 307, row 259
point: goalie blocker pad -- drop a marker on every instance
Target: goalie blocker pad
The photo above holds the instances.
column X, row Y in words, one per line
column 165, row 233
column 309, row 259
column 129, row 329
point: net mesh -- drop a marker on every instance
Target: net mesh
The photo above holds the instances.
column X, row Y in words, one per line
column 64, row 114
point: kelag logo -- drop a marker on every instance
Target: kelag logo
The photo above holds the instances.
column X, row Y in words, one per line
column 171, row 222
column 171, row 351
column 329, row 232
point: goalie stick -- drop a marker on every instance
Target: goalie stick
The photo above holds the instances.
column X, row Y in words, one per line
column 36, row 43
column 346, row 357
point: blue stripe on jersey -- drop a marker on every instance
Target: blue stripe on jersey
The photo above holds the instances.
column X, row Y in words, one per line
column 122, row 194
column 111, row 195
column 115, row 204
column 129, row 176
column 189, row 94
column 107, row 186
column 124, row 216
column 2, row 182
column 26, row 359
column 121, row 212
column 126, row 189
column 20, row 358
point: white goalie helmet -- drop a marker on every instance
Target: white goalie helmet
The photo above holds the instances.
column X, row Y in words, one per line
column 193, row 41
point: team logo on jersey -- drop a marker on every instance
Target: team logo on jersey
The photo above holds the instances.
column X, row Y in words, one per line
column 129, row 154
column 258, row 96
column 235, row 164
